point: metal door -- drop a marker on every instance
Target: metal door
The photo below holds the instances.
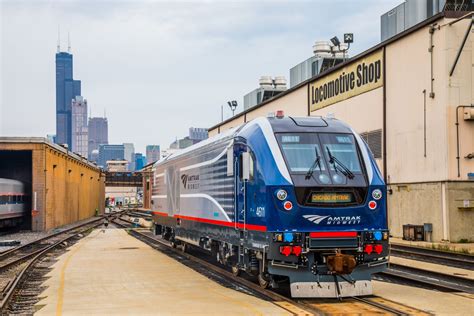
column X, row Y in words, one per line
column 240, row 194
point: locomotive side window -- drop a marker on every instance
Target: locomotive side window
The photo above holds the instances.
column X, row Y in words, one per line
column 251, row 165
column 3, row 199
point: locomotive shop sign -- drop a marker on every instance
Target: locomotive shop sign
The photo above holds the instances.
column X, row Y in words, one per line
column 356, row 78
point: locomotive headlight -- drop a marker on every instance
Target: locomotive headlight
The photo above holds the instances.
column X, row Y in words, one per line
column 377, row 194
column 278, row 237
column 281, row 195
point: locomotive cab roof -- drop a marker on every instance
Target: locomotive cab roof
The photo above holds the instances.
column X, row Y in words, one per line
column 278, row 124
column 308, row 124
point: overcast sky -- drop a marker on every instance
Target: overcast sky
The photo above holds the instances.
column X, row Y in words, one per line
column 158, row 68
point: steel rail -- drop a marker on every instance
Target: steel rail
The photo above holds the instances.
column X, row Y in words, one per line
column 463, row 261
column 11, row 287
column 379, row 305
column 430, row 279
column 31, row 243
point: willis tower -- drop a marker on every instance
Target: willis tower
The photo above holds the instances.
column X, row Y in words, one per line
column 66, row 90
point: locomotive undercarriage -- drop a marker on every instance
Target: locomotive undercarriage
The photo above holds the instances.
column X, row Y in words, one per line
column 313, row 273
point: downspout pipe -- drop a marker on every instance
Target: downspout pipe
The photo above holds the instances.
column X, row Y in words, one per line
column 430, row 49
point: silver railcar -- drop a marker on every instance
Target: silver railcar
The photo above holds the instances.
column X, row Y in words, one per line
column 13, row 202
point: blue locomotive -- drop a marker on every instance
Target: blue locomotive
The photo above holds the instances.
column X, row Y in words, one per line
column 288, row 199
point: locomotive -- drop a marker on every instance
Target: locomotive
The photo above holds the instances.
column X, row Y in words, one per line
column 287, row 199
column 13, row 201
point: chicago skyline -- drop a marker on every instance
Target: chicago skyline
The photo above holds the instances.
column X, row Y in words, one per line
column 155, row 75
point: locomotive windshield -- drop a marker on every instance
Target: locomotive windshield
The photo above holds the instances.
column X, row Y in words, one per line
column 334, row 157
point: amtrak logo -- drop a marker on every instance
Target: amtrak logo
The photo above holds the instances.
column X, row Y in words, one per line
column 184, row 179
column 190, row 182
column 333, row 220
column 315, row 218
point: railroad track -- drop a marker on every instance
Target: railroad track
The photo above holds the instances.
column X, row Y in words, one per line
column 362, row 306
column 124, row 223
column 366, row 305
column 140, row 215
column 428, row 279
column 453, row 259
column 16, row 263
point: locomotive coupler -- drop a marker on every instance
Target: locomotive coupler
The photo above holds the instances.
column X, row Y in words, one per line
column 341, row 263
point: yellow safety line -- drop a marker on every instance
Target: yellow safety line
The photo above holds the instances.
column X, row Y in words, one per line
column 59, row 304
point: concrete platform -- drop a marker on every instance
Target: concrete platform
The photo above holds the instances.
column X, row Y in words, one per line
column 109, row 272
column 446, row 246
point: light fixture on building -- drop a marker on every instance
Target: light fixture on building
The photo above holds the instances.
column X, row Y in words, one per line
column 335, row 41
column 232, row 105
column 348, row 39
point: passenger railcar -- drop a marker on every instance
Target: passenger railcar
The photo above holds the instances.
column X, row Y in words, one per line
column 13, row 200
column 283, row 198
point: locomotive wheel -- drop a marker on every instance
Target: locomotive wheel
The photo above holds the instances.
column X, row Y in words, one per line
column 235, row 270
column 263, row 281
column 174, row 244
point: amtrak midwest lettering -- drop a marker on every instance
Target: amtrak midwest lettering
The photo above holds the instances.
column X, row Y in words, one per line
column 363, row 74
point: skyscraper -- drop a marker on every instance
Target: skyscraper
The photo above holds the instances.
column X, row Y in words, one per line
column 152, row 153
column 79, row 126
column 130, row 155
column 197, row 133
column 66, row 90
column 110, row 152
column 98, row 134
column 140, row 161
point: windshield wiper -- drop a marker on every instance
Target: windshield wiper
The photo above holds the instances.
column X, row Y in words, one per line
column 317, row 162
column 340, row 166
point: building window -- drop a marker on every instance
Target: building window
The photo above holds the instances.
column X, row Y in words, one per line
column 374, row 140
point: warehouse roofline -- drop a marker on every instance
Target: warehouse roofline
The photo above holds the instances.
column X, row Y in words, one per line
column 147, row 167
column 414, row 28
column 42, row 140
